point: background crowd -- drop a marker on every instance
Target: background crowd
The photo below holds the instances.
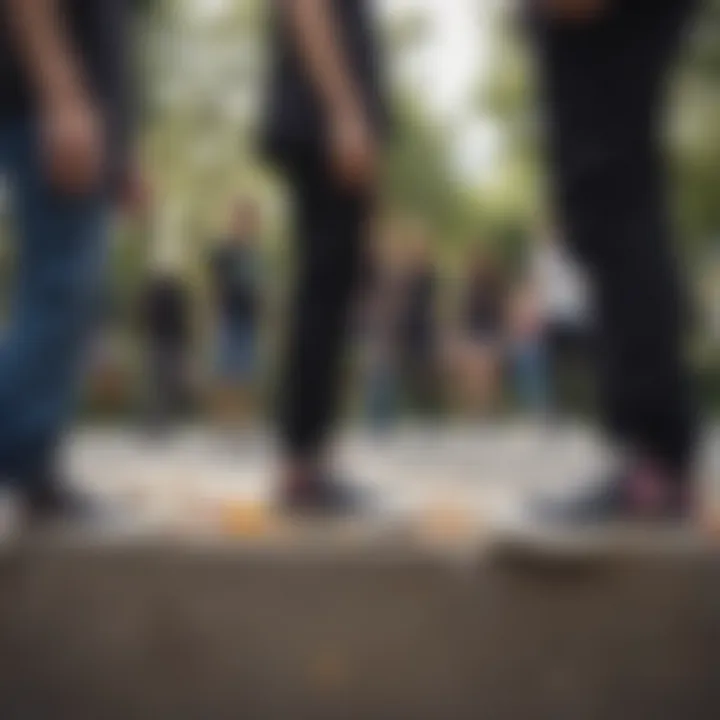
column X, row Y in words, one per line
column 470, row 306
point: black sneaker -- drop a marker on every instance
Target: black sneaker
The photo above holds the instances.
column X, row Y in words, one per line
column 326, row 497
column 636, row 510
column 56, row 504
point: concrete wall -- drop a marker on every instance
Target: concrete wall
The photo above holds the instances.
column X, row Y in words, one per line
column 156, row 632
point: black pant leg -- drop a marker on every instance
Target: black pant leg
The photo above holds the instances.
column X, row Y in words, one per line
column 558, row 351
column 604, row 85
column 330, row 226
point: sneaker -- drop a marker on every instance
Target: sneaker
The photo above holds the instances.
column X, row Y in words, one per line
column 326, row 497
column 57, row 505
column 640, row 509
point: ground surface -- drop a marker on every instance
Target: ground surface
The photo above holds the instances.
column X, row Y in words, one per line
column 199, row 481
column 194, row 618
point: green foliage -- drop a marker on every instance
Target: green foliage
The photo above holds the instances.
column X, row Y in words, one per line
column 420, row 179
column 697, row 131
column 508, row 96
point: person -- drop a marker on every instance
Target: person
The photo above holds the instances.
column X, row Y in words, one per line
column 566, row 307
column 236, row 279
column 165, row 318
column 604, row 70
column 482, row 328
column 528, row 350
column 327, row 115
column 105, row 365
column 379, row 322
column 418, row 337
column 64, row 135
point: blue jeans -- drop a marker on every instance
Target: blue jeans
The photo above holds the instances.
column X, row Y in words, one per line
column 381, row 397
column 236, row 351
column 60, row 243
column 531, row 376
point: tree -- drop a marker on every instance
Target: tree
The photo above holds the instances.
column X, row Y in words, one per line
column 697, row 134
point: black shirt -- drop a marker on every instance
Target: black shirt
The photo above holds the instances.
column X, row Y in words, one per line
column 294, row 114
column 235, row 271
column 484, row 309
column 417, row 326
column 98, row 31
column 165, row 311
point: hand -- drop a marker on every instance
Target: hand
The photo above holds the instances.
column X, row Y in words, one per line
column 134, row 193
column 353, row 148
column 73, row 145
column 575, row 10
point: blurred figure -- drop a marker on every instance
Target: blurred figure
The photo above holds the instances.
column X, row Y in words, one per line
column 63, row 133
column 418, row 351
column 106, row 362
column 528, row 349
column 605, row 68
column 380, row 319
column 564, row 295
column 482, row 335
column 327, row 115
column 236, row 281
column 712, row 293
column 165, row 318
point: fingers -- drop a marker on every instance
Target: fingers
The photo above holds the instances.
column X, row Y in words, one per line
column 356, row 169
column 74, row 149
column 134, row 195
column 355, row 153
column 576, row 10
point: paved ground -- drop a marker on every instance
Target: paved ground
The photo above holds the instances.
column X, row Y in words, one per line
column 201, row 481
column 372, row 629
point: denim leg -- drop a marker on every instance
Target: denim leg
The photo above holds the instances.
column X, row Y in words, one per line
column 381, row 397
column 532, row 376
column 60, row 249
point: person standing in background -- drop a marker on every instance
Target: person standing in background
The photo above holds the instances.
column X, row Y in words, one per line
column 418, row 336
column 566, row 306
column 166, row 327
column 527, row 351
column 64, row 135
column 604, row 70
column 236, row 281
column 482, row 329
column 326, row 117
column 380, row 314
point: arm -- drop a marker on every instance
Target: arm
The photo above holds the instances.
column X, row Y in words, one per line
column 45, row 51
column 576, row 10
column 71, row 129
column 315, row 31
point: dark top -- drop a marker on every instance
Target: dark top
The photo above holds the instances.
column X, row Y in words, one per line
column 99, row 31
column 381, row 305
column 484, row 308
column 235, row 272
column 165, row 311
column 294, row 116
column 417, row 323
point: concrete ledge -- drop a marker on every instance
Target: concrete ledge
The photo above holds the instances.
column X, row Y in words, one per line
column 157, row 632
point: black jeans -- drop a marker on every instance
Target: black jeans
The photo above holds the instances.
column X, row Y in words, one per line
column 330, row 226
column 168, row 387
column 604, row 86
column 570, row 350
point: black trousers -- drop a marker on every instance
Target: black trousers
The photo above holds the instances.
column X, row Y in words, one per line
column 604, row 86
column 570, row 349
column 168, row 389
column 330, row 227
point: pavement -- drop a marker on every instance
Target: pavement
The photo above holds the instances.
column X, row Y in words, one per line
column 447, row 481
column 178, row 616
